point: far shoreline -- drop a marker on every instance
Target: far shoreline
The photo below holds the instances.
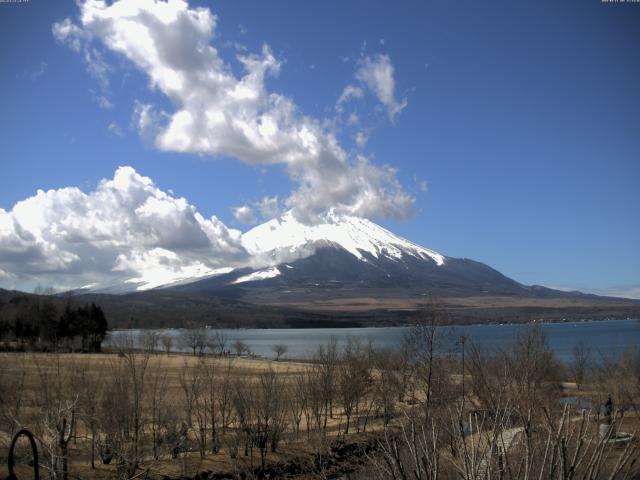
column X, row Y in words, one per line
column 391, row 325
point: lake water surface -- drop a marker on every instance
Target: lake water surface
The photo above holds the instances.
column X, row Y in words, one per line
column 606, row 338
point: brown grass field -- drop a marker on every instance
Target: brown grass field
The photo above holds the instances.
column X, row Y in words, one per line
column 38, row 390
column 32, row 368
column 365, row 304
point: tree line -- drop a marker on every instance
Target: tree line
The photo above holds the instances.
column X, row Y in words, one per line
column 50, row 324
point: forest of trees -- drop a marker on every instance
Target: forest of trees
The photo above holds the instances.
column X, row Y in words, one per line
column 47, row 324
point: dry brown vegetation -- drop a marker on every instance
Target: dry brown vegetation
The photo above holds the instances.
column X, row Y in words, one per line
column 386, row 306
column 509, row 423
column 137, row 410
column 364, row 304
column 409, row 413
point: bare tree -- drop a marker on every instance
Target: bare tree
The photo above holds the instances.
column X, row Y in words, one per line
column 423, row 344
column 224, row 396
column 317, row 400
column 217, row 342
column 490, row 376
column 261, row 408
column 271, row 408
column 326, row 360
column 534, row 370
column 89, row 387
column 135, row 367
column 353, row 378
column 242, row 399
column 12, row 395
column 149, row 341
column 211, row 394
column 159, row 409
column 202, row 403
column 279, row 350
column 189, row 384
column 193, row 338
column 619, row 375
column 562, row 448
column 63, row 430
column 59, row 406
column 581, row 361
column 386, row 387
column 167, row 341
column 297, row 399
column 240, row 347
column 116, row 417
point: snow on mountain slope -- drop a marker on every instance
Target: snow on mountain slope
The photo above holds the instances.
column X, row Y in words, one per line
column 285, row 238
column 259, row 275
column 164, row 277
column 277, row 242
column 153, row 278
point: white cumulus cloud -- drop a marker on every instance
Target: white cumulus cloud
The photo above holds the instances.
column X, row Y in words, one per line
column 244, row 214
column 216, row 113
column 269, row 207
column 125, row 229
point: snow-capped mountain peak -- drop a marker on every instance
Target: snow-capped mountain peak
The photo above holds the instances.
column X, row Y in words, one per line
column 273, row 245
column 285, row 238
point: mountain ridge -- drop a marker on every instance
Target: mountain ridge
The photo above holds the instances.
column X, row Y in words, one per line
column 346, row 272
column 348, row 254
column 345, row 252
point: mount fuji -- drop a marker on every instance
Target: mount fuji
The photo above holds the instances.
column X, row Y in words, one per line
column 346, row 256
column 347, row 271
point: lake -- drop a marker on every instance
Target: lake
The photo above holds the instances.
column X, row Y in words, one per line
column 606, row 338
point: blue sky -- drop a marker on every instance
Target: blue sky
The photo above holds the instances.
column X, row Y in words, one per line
column 523, row 118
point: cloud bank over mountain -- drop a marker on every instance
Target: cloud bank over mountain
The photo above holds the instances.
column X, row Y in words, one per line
column 216, row 113
column 125, row 229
